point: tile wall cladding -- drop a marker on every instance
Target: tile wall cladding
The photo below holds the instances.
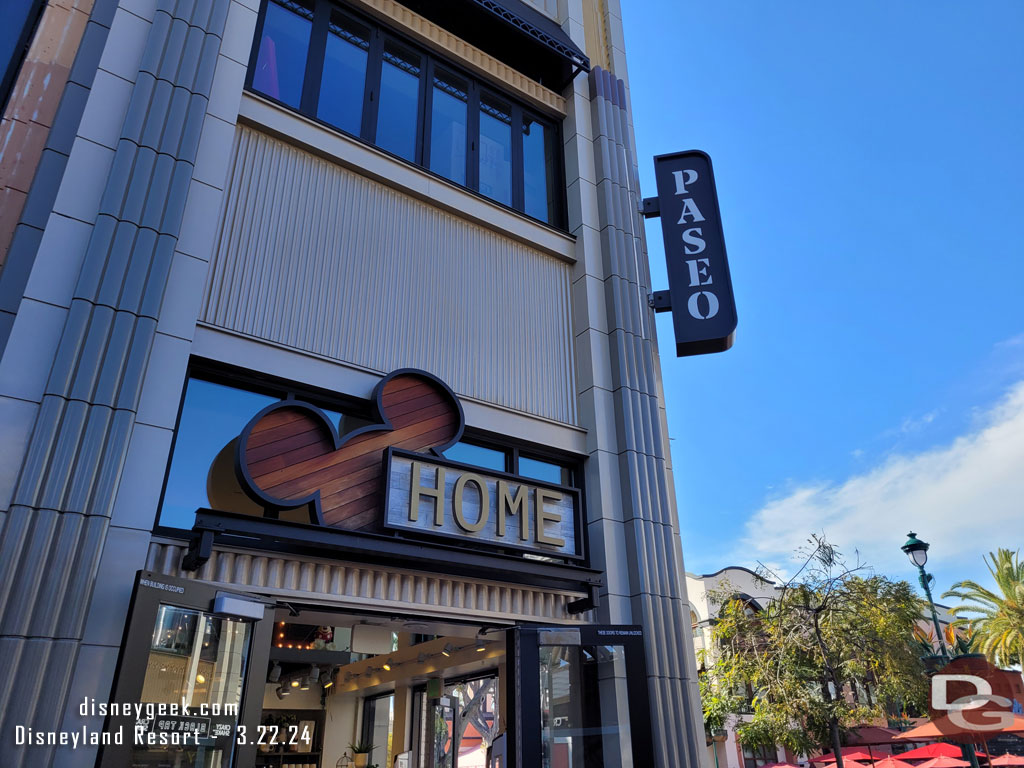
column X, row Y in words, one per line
column 303, row 242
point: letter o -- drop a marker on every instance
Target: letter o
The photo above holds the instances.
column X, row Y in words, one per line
column 692, row 305
column 485, row 502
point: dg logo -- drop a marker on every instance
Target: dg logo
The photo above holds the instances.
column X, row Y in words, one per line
column 290, row 455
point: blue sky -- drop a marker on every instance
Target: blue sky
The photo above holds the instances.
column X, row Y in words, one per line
column 869, row 159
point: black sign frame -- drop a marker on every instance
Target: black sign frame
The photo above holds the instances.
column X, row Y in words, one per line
column 700, row 293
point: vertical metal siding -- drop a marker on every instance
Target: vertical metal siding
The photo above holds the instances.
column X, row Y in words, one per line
column 319, row 258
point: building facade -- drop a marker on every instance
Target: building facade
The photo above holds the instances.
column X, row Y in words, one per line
column 333, row 426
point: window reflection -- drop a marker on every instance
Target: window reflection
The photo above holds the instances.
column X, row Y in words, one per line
column 202, row 465
column 584, row 703
column 344, row 76
column 544, row 470
column 196, row 660
column 538, row 164
column 202, row 472
column 448, row 127
column 495, row 150
column 478, row 456
column 399, row 102
column 281, row 62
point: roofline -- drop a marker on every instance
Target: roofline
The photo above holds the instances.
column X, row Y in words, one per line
column 737, row 568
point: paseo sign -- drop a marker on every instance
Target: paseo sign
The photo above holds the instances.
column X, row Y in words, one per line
column 426, row 495
column 700, row 293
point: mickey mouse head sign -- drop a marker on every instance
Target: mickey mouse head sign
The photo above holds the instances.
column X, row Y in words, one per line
column 291, row 455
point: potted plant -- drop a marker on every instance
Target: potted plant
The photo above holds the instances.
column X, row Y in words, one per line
column 360, row 753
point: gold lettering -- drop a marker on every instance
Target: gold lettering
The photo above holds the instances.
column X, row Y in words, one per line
column 543, row 516
column 514, row 506
column 485, row 502
column 418, row 489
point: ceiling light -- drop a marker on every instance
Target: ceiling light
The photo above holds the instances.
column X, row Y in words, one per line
column 481, row 645
column 295, row 683
column 387, row 665
column 327, row 678
column 200, row 679
column 447, row 650
column 275, row 673
column 282, row 691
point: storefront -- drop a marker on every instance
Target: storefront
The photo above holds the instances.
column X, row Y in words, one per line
column 319, row 678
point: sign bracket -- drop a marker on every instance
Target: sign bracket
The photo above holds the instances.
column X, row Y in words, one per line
column 650, row 208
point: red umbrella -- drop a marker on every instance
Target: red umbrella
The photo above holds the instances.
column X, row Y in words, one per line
column 943, row 727
column 892, row 762
column 849, row 753
column 779, row 765
column 1008, row 759
column 945, row 762
column 929, row 751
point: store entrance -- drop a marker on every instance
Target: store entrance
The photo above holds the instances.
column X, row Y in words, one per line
column 358, row 690
column 265, row 683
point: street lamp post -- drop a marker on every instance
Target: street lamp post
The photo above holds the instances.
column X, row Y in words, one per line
column 917, row 551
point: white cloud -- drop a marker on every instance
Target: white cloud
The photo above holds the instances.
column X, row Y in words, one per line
column 965, row 498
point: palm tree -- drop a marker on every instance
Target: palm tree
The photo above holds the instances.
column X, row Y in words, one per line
column 996, row 620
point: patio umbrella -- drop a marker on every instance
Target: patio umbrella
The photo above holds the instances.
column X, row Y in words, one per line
column 931, row 751
column 942, row 727
column 849, row 753
column 945, row 762
column 892, row 762
column 1007, row 759
column 779, row 765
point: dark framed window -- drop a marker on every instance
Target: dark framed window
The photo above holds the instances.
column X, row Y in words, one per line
column 214, row 411
column 356, row 76
column 514, row 460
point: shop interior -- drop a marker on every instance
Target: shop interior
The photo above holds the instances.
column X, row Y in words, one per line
column 348, row 690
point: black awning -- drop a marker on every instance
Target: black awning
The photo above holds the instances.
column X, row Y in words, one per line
column 536, row 25
column 512, row 32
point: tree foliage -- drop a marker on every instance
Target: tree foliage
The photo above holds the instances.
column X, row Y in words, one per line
column 996, row 618
column 831, row 650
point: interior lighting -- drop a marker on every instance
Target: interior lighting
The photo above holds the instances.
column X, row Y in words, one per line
column 447, row 650
column 275, row 673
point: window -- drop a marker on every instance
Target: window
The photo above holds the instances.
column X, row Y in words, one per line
column 379, row 727
column 283, row 47
column 358, row 77
column 202, row 468
column 754, row 757
column 449, row 126
column 343, row 81
column 513, row 461
column 496, row 150
column 399, row 101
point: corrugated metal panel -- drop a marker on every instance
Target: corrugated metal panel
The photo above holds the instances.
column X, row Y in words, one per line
column 319, row 258
column 352, row 585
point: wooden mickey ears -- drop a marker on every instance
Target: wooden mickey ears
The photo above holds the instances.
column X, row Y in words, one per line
column 290, row 454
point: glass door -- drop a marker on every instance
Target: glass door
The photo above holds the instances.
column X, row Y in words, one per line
column 581, row 698
column 191, row 652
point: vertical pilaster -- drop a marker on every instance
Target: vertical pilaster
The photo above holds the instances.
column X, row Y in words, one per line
column 654, row 557
column 57, row 523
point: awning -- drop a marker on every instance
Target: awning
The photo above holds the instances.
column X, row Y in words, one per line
column 512, row 32
column 531, row 22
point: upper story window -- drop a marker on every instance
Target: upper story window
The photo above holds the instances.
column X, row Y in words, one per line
column 362, row 79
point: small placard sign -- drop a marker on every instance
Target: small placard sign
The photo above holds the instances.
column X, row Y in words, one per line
column 432, row 496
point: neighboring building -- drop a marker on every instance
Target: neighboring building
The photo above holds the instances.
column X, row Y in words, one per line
column 329, row 391
column 758, row 593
